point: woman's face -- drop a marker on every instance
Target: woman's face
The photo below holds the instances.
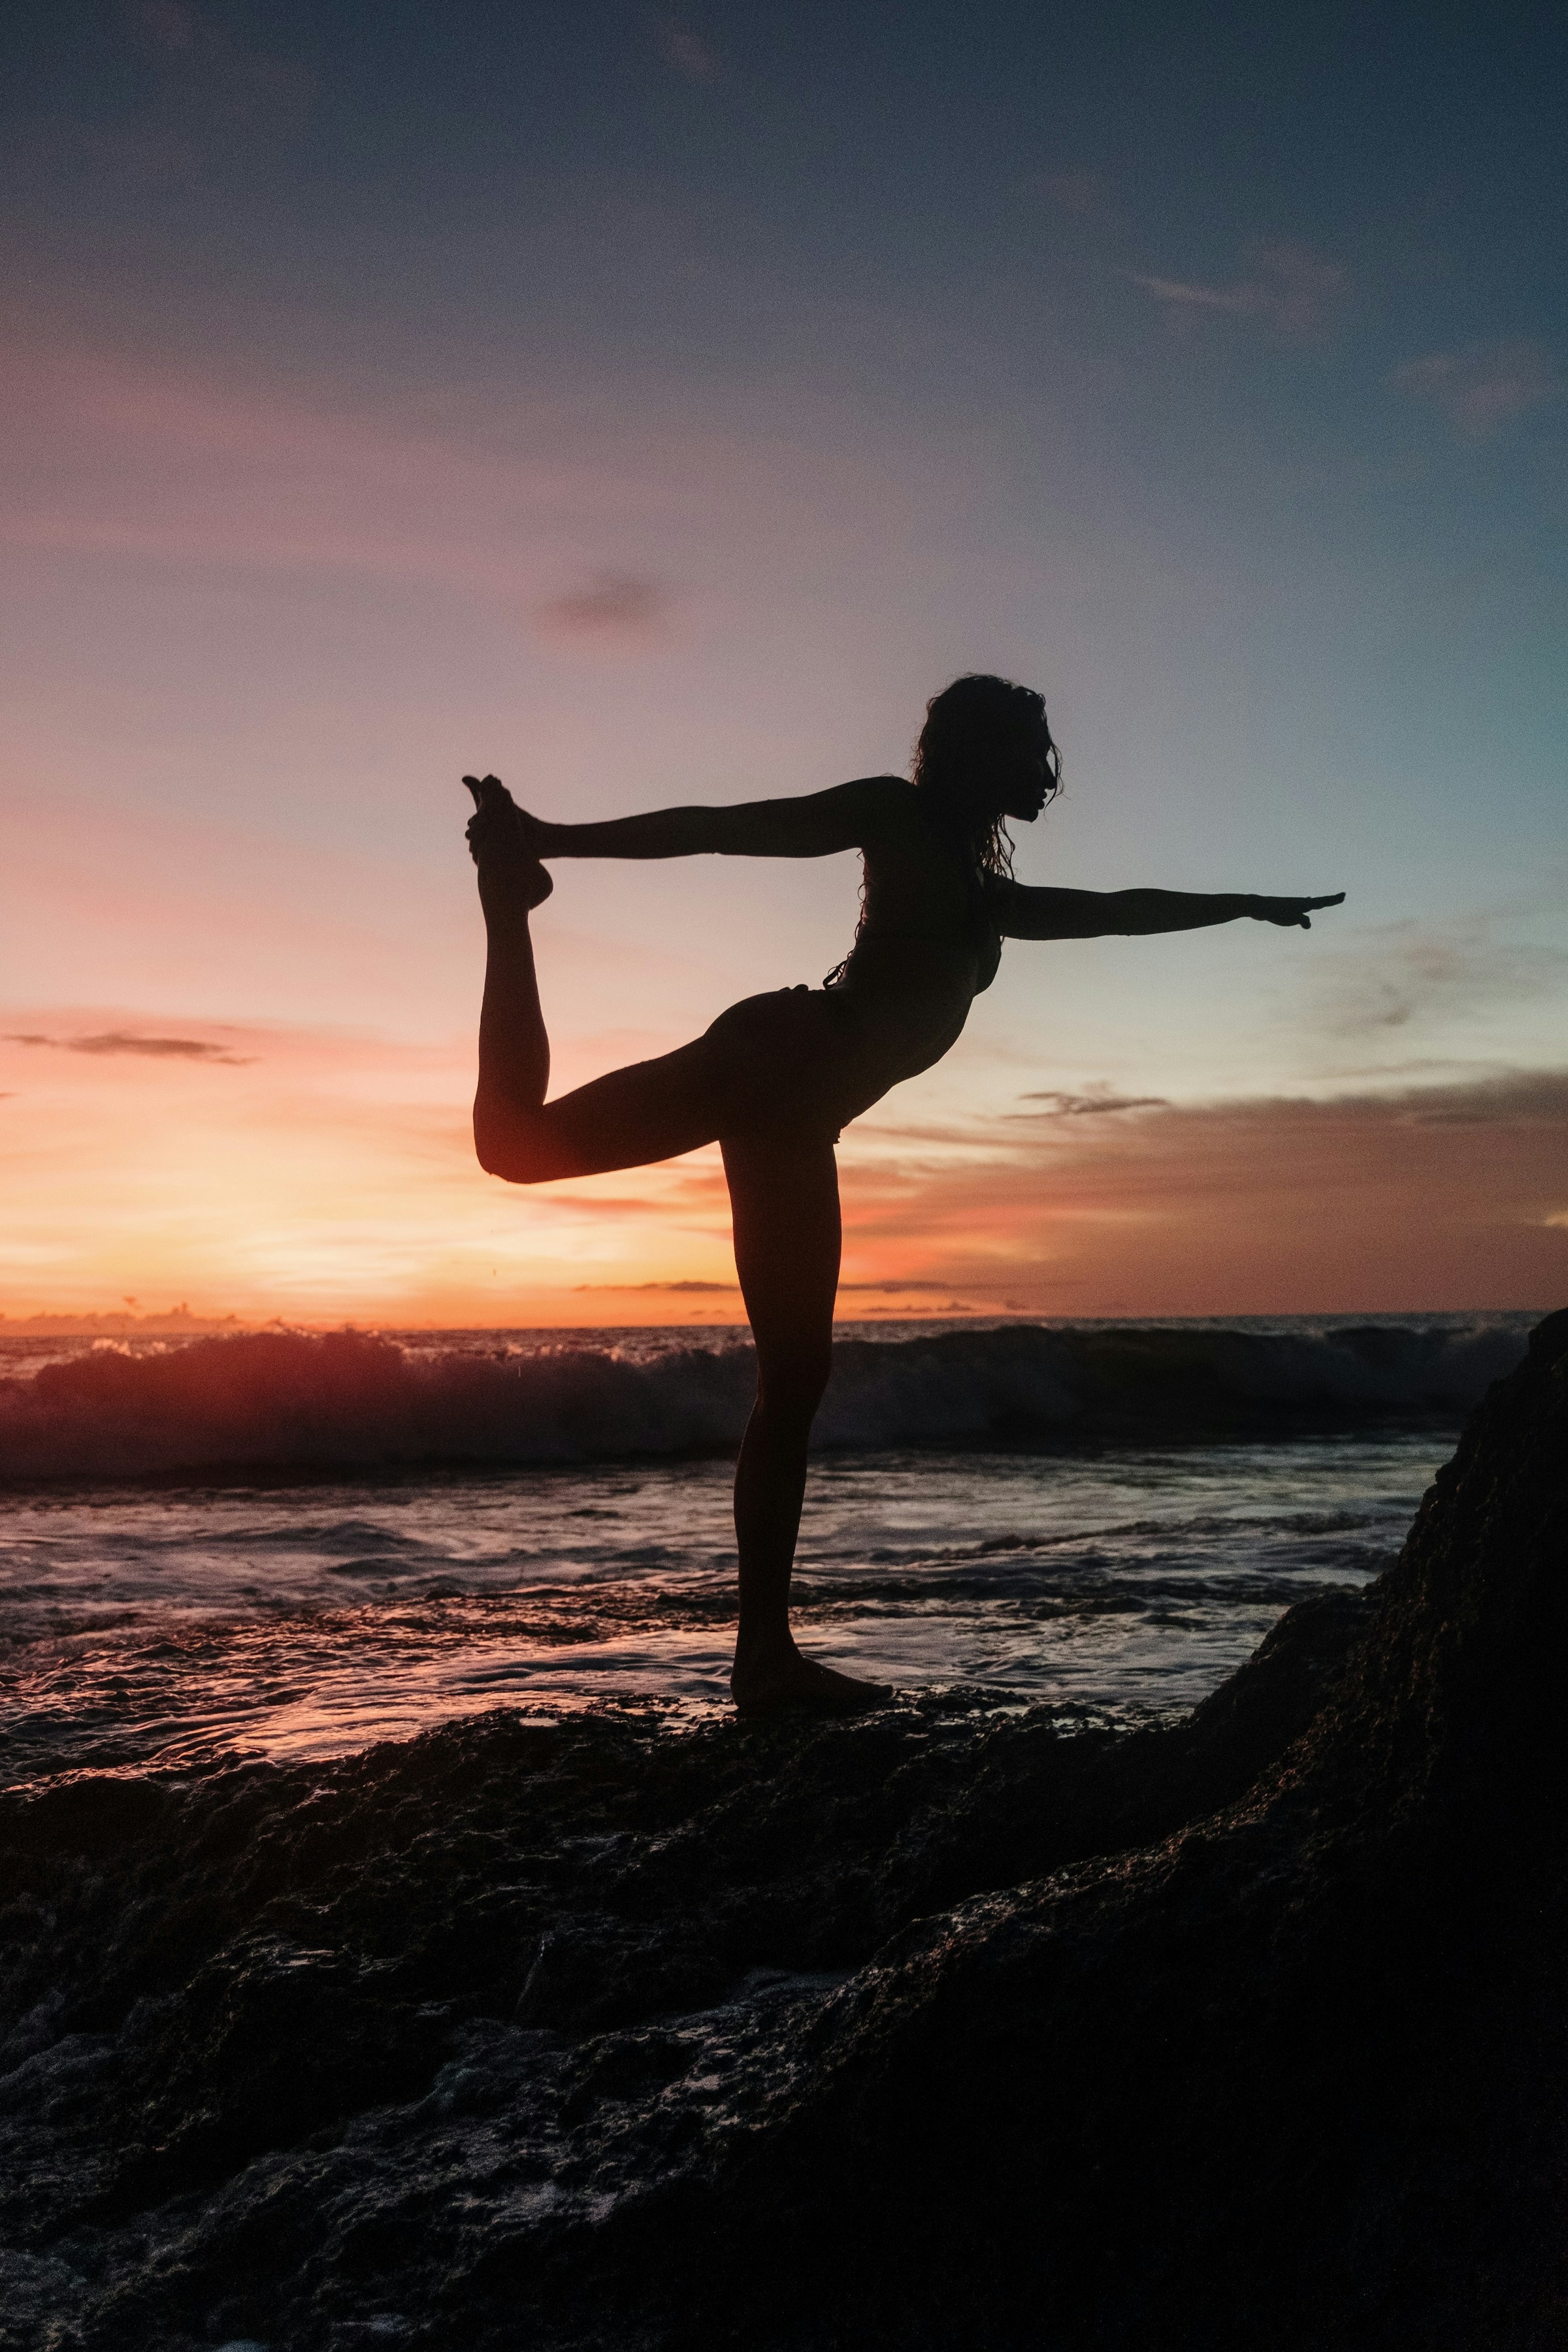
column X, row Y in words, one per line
column 1023, row 783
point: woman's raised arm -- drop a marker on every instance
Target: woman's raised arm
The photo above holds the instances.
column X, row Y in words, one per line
column 814, row 826
column 1025, row 913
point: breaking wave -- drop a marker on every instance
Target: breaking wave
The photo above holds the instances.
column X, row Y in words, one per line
column 282, row 1400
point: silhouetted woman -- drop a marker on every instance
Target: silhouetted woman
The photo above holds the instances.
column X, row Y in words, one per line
column 776, row 1076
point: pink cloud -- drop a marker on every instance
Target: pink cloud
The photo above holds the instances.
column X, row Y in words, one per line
column 615, row 609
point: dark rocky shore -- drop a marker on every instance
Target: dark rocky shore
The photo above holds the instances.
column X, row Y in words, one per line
column 938, row 2029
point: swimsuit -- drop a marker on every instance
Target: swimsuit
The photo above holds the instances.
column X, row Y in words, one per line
column 796, row 1060
column 802, row 1059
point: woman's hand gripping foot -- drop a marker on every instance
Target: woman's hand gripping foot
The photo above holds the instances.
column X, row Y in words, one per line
column 500, row 838
column 785, row 1678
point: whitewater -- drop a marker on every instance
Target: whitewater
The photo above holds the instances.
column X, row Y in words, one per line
column 285, row 1544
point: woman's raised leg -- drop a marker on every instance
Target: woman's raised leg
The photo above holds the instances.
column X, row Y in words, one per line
column 515, row 1048
column 654, row 1111
column 783, row 1192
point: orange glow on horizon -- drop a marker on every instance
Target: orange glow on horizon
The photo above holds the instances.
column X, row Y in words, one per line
column 319, row 1179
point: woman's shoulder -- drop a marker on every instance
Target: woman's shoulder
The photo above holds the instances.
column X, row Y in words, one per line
column 888, row 805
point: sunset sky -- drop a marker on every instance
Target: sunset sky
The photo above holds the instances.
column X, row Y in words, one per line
column 661, row 406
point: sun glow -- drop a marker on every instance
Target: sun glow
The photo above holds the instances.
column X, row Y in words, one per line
column 318, row 1176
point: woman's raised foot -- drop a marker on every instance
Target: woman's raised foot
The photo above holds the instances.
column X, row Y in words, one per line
column 787, row 1678
column 499, row 835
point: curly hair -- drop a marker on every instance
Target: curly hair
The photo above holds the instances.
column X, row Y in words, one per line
column 970, row 726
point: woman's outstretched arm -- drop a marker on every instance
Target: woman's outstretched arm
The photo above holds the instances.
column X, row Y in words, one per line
column 814, row 826
column 1024, row 913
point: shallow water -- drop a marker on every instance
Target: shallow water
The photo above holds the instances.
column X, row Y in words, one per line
column 179, row 1623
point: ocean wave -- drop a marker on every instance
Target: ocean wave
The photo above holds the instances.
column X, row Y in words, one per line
column 281, row 1401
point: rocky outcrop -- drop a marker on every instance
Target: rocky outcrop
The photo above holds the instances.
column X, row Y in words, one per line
column 940, row 2028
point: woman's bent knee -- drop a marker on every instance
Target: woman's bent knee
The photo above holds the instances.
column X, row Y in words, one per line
column 516, row 1153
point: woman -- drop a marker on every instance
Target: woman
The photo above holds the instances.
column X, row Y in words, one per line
column 775, row 1077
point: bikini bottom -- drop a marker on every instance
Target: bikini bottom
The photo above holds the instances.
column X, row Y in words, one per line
column 794, row 1061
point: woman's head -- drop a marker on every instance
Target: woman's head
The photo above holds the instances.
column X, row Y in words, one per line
column 985, row 753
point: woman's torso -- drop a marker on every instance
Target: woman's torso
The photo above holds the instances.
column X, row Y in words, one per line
column 928, row 942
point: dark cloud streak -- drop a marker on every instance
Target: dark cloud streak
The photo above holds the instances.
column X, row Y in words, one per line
column 124, row 1041
column 1068, row 1105
column 722, row 1287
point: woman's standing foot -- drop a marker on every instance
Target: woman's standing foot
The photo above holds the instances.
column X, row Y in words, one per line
column 786, row 1677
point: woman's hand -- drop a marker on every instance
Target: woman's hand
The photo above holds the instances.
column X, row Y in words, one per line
column 498, row 821
column 1293, row 914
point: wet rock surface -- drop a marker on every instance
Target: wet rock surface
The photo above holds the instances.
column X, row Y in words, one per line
column 941, row 2027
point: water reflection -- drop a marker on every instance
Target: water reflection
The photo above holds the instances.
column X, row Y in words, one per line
column 310, row 1620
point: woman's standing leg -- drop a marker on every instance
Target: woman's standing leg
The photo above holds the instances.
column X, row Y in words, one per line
column 785, row 1195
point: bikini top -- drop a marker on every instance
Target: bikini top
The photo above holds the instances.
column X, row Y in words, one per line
column 882, row 948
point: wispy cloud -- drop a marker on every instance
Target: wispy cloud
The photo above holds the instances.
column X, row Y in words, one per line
column 615, row 609
column 1286, row 287
column 896, row 1287
column 636, row 1289
column 124, row 1041
column 1410, row 973
column 1099, row 1099
column 686, row 52
column 1483, row 387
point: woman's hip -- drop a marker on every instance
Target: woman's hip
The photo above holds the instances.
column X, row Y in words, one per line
column 793, row 1058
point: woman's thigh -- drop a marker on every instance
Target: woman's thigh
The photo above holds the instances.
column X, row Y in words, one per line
column 783, row 1196
column 649, row 1111
column 775, row 1064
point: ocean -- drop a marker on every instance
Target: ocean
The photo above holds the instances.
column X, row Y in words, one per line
column 291, row 1546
